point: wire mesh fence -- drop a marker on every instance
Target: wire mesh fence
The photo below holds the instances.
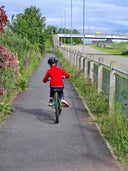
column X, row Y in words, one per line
column 121, row 92
column 96, row 75
column 113, row 83
column 106, row 81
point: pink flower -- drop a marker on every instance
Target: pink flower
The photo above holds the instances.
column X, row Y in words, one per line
column 7, row 63
column 7, row 58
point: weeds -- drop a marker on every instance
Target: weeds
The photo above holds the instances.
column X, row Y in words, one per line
column 5, row 108
column 114, row 128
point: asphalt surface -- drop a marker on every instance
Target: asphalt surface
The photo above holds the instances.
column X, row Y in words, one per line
column 31, row 141
column 120, row 62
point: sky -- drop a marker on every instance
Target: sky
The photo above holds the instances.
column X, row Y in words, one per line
column 109, row 15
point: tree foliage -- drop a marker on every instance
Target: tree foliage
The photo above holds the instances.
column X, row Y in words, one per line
column 3, row 19
column 15, row 43
column 47, row 34
column 68, row 31
column 30, row 24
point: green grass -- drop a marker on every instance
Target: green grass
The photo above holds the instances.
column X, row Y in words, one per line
column 114, row 128
column 115, row 48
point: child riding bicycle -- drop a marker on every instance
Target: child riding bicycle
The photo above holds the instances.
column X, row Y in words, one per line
column 55, row 75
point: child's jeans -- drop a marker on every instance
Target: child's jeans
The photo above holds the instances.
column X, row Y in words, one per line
column 61, row 92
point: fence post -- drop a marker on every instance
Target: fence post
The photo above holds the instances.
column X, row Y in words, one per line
column 100, row 75
column 78, row 56
column 72, row 56
column 91, row 76
column 81, row 62
column 86, row 68
column 68, row 56
column 75, row 58
column 112, row 88
column 112, row 91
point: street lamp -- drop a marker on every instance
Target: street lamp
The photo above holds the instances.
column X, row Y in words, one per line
column 65, row 25
column 71, row 23
column 61, row 20
column 83, row 23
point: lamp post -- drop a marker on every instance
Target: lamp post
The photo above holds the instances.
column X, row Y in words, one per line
column 61, row 20
column 71, row 23
column 65, row 25
column 83, row 23
column 61, row 24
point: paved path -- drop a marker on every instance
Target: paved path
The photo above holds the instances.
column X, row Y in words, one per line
column 121, row 61
column 31, row 141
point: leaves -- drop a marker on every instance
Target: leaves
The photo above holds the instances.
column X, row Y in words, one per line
column 7, row 58
column 3, row 19
column 29, row 24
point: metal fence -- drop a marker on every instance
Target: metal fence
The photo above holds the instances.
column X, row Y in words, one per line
column 108, row 79
column 121, row 92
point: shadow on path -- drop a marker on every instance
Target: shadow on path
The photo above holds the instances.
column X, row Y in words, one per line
column 44, row 115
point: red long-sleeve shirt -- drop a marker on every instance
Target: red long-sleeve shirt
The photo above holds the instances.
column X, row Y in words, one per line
column 55, row 74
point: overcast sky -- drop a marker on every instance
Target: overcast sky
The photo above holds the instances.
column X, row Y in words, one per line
column 99, row 14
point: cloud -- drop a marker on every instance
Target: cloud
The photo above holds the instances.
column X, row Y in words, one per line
column 99, row 14
column 106, row 15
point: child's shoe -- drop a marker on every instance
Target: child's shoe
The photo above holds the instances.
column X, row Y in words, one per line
column 50, row 102
column 64, row 103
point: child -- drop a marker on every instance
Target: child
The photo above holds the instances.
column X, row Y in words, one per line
column 56, row 75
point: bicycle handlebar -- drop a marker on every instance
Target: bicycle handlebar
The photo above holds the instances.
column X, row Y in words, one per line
column 63, row 77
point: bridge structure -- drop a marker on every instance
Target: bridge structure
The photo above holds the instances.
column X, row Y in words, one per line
column 108, row 35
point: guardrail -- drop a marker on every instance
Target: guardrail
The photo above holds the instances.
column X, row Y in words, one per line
column 107, row 78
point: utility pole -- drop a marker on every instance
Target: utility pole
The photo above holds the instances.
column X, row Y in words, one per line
column 83, row 23
column 61, row 26
column 65, row 25
column 71, row 23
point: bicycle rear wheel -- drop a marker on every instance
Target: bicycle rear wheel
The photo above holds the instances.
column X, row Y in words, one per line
column 57, row 109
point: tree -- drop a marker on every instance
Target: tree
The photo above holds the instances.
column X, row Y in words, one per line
column 3, row 19
column 49, row 30
column 68, row 31
column 30, row 24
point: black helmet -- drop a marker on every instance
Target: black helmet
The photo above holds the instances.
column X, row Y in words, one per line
column 52, row 60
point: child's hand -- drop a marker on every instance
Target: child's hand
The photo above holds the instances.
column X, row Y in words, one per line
column 63, row 77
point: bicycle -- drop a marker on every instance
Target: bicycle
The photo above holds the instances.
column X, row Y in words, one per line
column 56, row 104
